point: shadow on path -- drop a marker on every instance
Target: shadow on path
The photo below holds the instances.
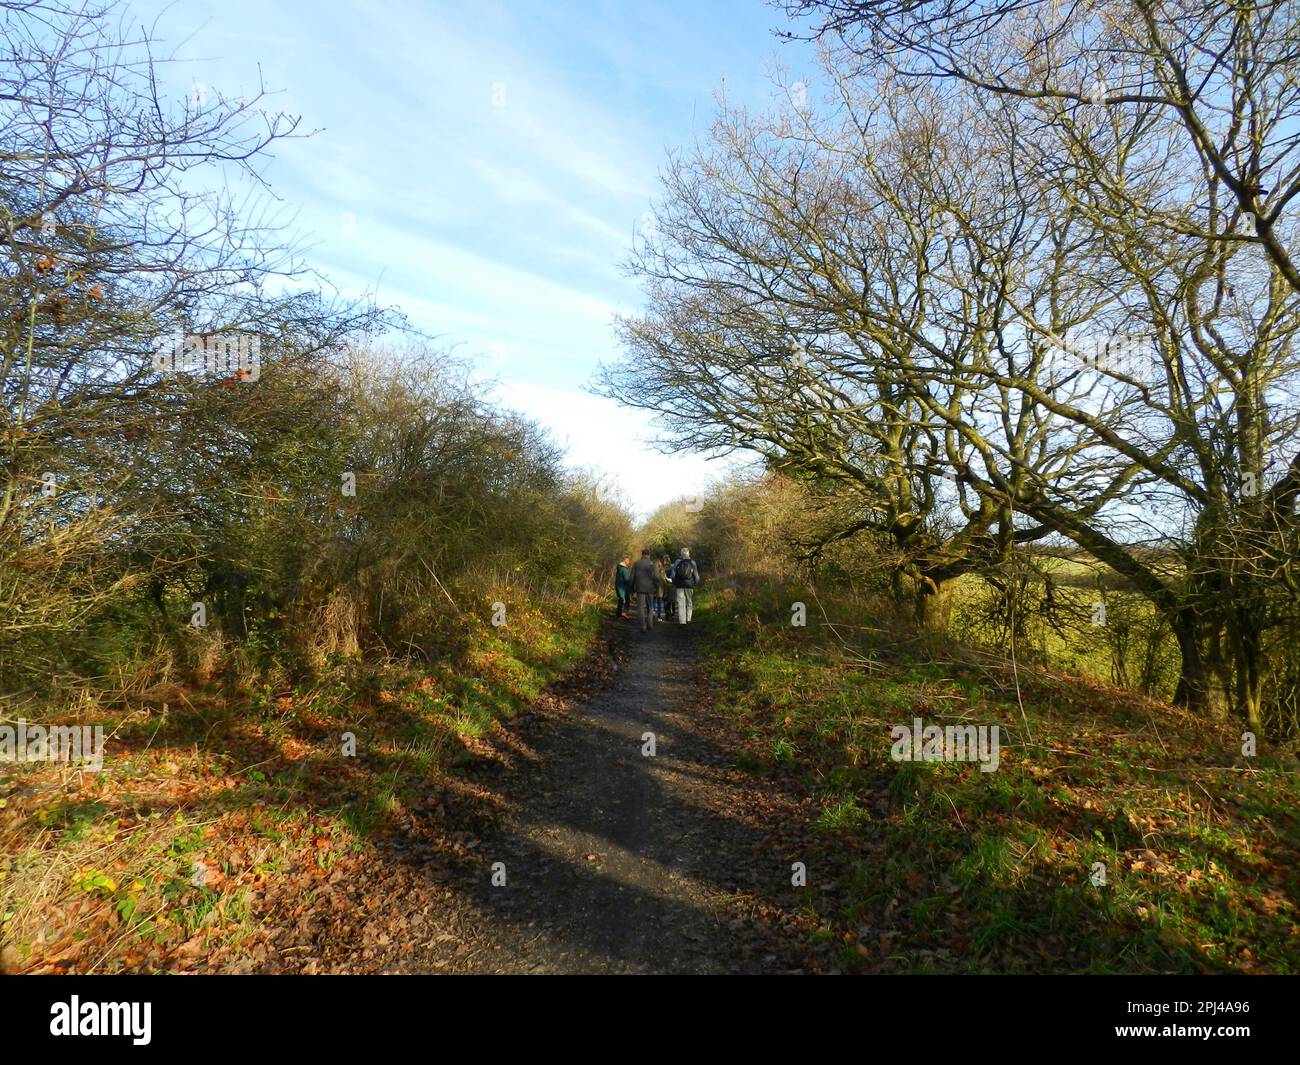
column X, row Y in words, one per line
column 618, row 861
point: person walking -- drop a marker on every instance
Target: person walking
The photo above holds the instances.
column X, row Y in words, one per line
column 686, row 575
column 645, row 582
column 623, row 586
column 666, row 590
column 657, row 603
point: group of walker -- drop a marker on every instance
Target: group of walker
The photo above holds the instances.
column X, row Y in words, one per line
column 664, row 589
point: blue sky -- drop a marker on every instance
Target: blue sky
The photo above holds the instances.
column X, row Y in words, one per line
column 484, row 167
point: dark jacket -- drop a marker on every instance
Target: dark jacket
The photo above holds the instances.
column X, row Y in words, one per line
column 686, row 574
column 622, row 579
column 645, row 577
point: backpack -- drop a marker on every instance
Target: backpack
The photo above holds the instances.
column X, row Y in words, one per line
column 686, row 574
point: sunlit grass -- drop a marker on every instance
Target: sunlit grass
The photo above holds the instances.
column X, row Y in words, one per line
column 1117, row 835
column 93, row 872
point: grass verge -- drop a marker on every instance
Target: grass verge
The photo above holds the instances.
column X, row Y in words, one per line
column 211, row 799
column 1118, row 834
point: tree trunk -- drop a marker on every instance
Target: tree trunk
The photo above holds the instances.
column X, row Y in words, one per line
column 1198, row 687
column 933, row 605
column 1247, row 652
column 903, row 590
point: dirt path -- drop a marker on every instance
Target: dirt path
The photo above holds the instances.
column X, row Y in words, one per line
column 616, row 861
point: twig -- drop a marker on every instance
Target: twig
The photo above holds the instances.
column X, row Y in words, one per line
column 843, row 642
column 1015, row 672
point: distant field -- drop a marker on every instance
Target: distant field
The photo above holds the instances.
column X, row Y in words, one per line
column 1102, row 629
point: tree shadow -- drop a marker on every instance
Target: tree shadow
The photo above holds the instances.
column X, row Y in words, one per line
column 669, row 838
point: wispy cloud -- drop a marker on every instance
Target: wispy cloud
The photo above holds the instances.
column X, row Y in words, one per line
column 485, row 165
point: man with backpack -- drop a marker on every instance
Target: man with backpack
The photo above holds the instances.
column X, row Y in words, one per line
column 686, row 576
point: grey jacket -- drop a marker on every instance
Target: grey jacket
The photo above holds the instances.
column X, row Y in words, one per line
column 645, row 577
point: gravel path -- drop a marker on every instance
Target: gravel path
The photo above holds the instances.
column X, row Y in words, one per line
column 617, row 861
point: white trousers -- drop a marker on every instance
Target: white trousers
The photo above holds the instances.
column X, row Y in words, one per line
column 685, row 604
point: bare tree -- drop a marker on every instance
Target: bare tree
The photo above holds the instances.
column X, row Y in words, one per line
column 908, row 292
column 790, row 279
column 125, row 219
column 1223, row 73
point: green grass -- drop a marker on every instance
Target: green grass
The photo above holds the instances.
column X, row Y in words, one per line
column 1130, row 643
column 993, row 872
column 252, row 785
